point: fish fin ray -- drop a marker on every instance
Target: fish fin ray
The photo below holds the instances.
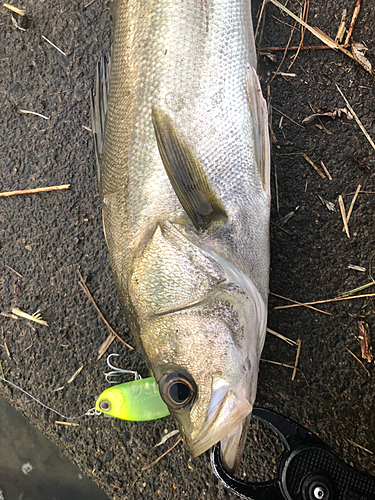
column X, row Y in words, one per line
column 259, row 113
column 186, row 174
column 99, row 103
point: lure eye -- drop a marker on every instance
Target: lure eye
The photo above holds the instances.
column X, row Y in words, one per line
column 176, row 390
column 104, row 405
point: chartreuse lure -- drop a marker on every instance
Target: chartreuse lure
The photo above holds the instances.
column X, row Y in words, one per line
column 137, row 401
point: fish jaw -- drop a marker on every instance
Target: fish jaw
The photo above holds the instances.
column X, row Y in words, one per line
column 201, row 317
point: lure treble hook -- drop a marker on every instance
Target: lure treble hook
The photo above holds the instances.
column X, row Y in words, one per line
column 116, row 371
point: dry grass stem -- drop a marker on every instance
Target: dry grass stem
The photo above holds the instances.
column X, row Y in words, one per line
column 314, row 166
column 6, row 315
column 359, row 361
column 26, row 112
column 161, row 456
column 90, row 297
column 11, row 268
column 288, row 117
column 285, row 339
column 36, row 317
column 359, row 289
column 359, row 446
column 300, row 304
column 36, row 190
column 326, row 171
column 336, row 299
column 293, row 47
column 18, row 11
column 299, row 345
column 54, row 46
column 343, row 216
column 352, row 203
column 103, row 348
column 260, row 18
column 277, row 363
column 87, row 128
column 341, row 29
column 305, row 16
column 318, row 33
column 359, row 123
column 352, row 22
column 72, row 424
column 357, row 268
column 75, row 374
column 365, row 341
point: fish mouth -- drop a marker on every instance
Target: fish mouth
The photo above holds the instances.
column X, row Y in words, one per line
column 228, row 409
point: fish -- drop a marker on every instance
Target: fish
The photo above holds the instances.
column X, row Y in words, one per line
column 182, row 146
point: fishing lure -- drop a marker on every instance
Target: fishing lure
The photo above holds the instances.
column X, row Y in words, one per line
column 137, row 401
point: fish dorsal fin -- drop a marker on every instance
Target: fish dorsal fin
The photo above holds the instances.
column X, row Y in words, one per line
column 99, row 102
column 259, row 114
column 186, row 174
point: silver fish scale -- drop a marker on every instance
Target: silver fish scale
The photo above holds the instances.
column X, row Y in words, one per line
column 188, row 59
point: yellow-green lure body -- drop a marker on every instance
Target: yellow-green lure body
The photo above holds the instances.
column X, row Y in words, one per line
column 137, row 401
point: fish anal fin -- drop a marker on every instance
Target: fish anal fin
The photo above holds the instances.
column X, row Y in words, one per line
column 259, row 114
column 186, row 174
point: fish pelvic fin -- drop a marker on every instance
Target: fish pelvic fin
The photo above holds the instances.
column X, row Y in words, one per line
column 99, row 103
column 259, row 114
column 186, row 174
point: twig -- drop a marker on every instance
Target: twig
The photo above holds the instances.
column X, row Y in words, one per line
column 55, row 46
column 359, row 361
column 11, row 268
column 288, row 341
column 326, row 171
column 36, row 190
column 163, row 455
column 356, row 118
column 315, row 31
column 365, row 341
column 88, row 294
column 299, row 345
column 300, row 304
column 314, row 166
column 26, row 112
column 352, row 22
column 290, row 119
column 336, row 299
column 282, row 229
column 343, row 215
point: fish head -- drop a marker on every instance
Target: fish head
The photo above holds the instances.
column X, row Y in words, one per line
column 201, row 326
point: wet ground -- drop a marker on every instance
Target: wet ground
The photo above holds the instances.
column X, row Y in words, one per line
column 32, row 468
column 48, row 237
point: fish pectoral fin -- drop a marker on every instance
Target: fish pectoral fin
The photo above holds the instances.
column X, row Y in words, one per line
column 99, row 101
column 259, row 114
column 186, row 174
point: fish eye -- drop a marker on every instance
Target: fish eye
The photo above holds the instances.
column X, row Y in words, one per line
column 176, row 390
column 104, row 405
